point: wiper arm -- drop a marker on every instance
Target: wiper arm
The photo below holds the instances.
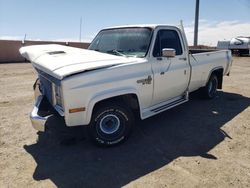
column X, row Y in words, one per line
column 116, row 52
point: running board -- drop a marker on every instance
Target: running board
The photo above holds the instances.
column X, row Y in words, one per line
column 169, row 105
column 165, row 106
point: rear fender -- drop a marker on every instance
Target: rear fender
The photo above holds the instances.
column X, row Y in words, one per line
column 218, row 71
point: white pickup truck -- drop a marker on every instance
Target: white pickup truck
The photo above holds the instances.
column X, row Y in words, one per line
column 143, row 69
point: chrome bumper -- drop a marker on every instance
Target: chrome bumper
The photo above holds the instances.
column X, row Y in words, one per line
column 38, row 122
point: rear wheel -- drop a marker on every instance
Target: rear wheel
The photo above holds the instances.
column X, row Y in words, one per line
column 210, row 90
column 111, row 124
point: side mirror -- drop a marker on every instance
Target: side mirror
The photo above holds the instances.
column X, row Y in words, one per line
column 168, row 52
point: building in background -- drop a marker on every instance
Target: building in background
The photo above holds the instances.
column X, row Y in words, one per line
column 9, row 49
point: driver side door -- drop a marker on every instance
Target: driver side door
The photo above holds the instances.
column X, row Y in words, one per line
column 171, row 75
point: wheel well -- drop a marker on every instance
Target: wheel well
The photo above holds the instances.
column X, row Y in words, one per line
column 130, row 100
column 219, row 74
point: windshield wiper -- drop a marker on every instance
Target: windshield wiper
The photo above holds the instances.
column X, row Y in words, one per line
column 116, row 52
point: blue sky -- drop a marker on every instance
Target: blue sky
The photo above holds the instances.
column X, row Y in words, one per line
column 59, row 20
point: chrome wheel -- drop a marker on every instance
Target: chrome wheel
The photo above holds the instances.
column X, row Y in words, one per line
column 109, row 124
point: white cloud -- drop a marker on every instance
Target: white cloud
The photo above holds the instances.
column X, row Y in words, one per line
column 84, row 39
column 66, row 40
column 210, row 32
column 5, row 37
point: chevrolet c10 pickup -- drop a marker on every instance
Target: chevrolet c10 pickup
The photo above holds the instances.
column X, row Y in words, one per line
column 127, row 71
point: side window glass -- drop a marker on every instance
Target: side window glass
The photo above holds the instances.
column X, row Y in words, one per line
column 167, row 39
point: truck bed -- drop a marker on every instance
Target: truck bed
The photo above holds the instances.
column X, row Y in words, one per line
column 196, row 51
column 203, row 61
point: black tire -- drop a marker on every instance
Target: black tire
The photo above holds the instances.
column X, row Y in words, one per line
column 210, row 90
column 111, row 124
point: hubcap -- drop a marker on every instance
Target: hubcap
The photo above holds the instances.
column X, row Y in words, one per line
column 109, row 124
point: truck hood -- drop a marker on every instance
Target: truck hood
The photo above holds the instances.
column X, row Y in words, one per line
column 60, row 61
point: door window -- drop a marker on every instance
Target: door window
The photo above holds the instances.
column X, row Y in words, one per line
column 167, row 39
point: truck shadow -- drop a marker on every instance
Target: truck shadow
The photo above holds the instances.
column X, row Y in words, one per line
column 191, row 129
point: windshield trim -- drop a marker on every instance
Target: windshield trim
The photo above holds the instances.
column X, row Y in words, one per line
column 150, row 40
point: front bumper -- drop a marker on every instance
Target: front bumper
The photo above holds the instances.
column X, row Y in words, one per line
column 38, row 121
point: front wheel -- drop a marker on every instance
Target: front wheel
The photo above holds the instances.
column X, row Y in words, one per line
column 111, row 124
column 210, row 90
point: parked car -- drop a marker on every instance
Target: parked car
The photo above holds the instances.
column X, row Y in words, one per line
column 144, row 69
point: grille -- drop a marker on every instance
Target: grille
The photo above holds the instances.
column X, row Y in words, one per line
column 46, row 87
column 47, row 82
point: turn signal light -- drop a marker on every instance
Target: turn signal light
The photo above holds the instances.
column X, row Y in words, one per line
column 74, row 110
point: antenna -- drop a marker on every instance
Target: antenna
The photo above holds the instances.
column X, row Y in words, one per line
column 181, row 25
column 80, row 34
column 24, row 38
column 196, row 24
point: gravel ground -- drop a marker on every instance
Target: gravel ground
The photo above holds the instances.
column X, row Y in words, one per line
column 202, row 143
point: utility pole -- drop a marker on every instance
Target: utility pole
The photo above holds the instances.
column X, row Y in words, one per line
column 196, row 24
column 80, row 34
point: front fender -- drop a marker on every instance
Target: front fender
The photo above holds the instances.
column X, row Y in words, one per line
column 106, row 95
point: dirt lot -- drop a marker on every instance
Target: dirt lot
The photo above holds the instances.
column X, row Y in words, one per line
column 199, row 144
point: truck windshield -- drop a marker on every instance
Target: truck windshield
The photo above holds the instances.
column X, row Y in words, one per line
column 123, row 41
